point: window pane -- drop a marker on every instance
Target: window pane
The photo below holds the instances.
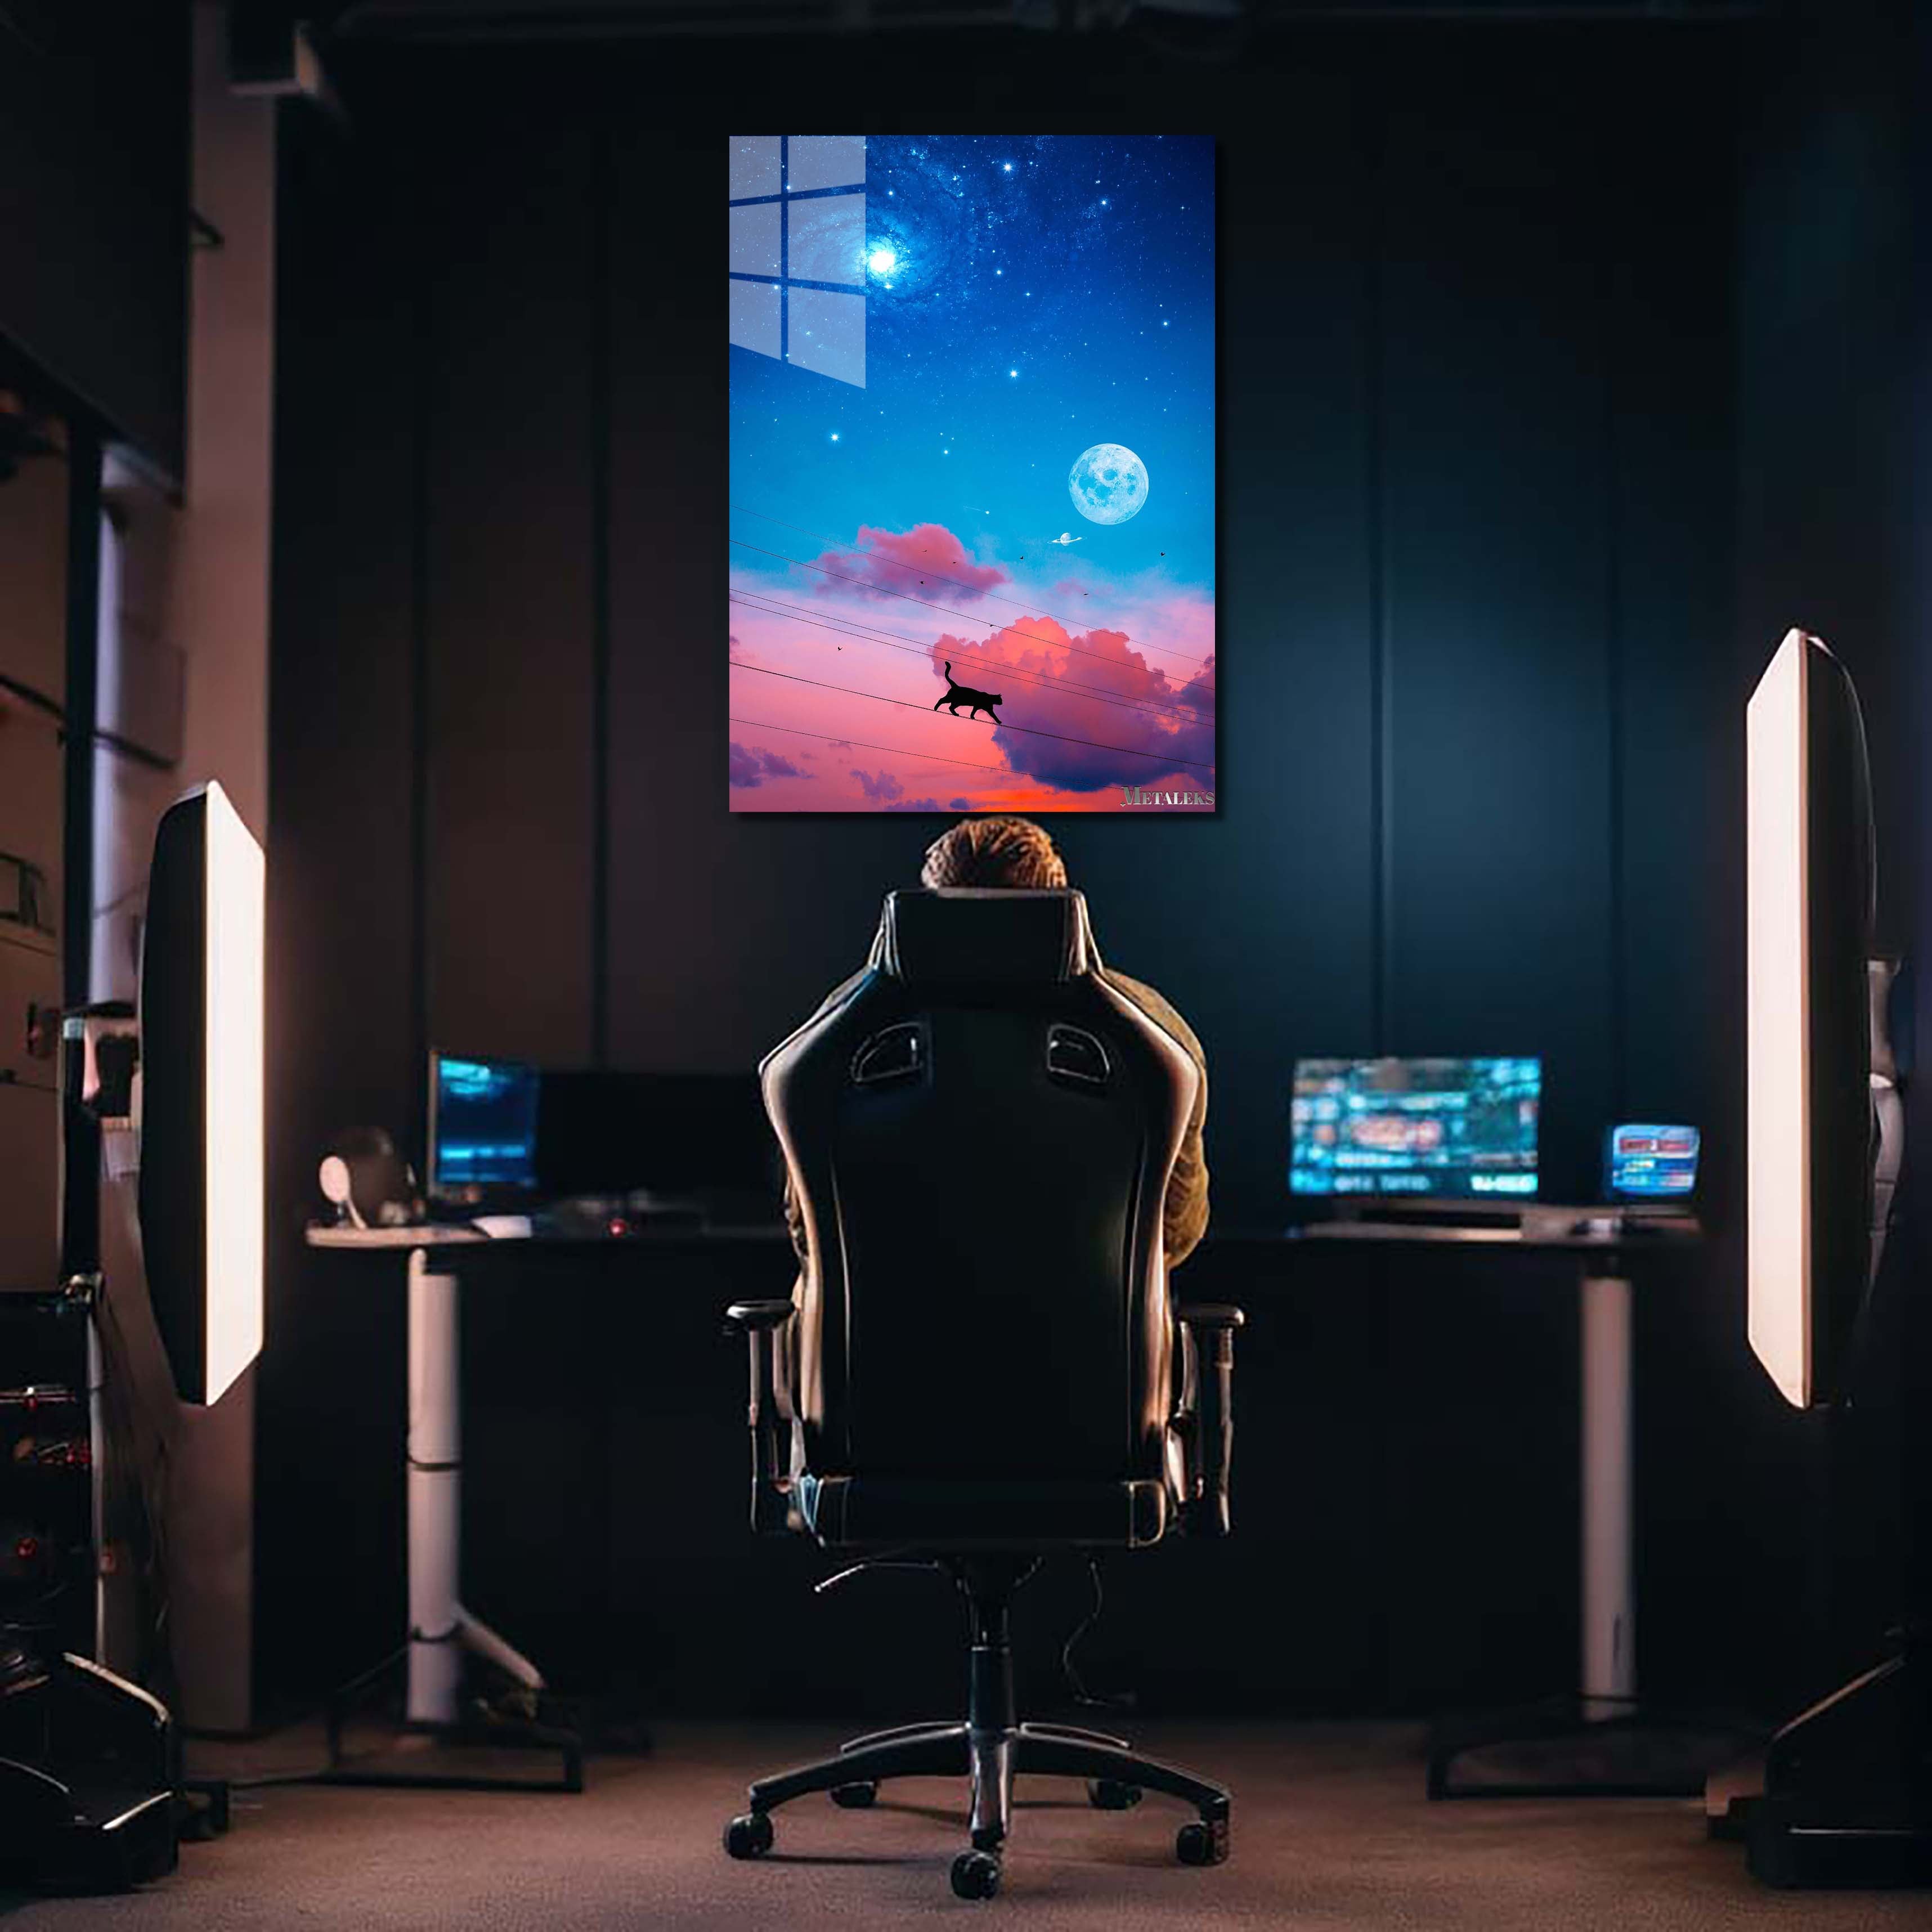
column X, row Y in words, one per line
column 828, row 334
column 828, row 239
column 755, row 165
column 754, row 239
column 754, row 317
column 825, row 161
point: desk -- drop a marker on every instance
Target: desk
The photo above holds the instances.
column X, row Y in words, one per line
column 441, row 1631
column 1604, row 1244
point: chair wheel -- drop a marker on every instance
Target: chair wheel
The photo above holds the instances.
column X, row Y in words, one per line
column 749, row 1837
column 1202, row 1842
column 975, row 1874
column 1110, row 1794
column 855, row 1797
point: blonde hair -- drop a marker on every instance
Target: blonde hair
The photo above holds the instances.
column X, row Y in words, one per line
column 1012, row 853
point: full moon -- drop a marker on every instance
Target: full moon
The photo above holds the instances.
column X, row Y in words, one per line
column 1108, row 483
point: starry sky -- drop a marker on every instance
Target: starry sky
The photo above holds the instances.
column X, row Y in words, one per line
column 1026, row 299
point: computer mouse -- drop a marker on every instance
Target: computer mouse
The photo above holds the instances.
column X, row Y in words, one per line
column 503, row 1227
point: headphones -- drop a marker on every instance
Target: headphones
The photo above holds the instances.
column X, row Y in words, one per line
column 369, row 1184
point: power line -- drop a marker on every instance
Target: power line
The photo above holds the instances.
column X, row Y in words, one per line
column 1032, row 637
column 772, row 607
column 852, row 627
column 861, row 744
column 991, row 596
column 1128, row 750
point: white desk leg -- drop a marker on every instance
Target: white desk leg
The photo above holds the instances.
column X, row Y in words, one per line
column 440, row 1629
column 1610, row 1603
column 435, row 1481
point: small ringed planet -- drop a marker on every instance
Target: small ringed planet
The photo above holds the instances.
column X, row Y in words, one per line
column 1109, row 483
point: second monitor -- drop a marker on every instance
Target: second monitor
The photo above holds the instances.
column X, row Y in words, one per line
column 1438, row 1129
column 502, row 1133
column 482, row 1129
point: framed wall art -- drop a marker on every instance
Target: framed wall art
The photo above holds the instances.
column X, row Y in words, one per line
column 972, row 477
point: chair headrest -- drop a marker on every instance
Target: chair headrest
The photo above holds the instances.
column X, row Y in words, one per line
column 974, row 936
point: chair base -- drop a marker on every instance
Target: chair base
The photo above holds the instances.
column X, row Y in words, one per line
column 990, row 1749
column 991, row 1760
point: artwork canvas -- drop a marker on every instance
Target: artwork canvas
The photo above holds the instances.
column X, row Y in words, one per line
column 972, row 496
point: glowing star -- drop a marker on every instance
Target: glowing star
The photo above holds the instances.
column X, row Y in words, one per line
column 882, row 261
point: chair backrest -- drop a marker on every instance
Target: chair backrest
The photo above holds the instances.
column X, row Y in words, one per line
column 980, row 1135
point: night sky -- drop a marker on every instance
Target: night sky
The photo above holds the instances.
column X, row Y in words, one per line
column 1025, row 300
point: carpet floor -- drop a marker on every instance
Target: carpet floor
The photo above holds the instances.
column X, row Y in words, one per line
column 1331, row 1830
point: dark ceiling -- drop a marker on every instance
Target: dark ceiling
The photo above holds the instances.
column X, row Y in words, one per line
column 612, row 19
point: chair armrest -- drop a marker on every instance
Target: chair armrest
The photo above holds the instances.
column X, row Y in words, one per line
column 1209, row 1328
column 763, row 1325
column 754, row 1317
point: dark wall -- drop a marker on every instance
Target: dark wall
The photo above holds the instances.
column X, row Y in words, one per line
column 94, row 208
column 1482, row 675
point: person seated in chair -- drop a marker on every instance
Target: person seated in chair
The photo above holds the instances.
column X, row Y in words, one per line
column 1016, row 855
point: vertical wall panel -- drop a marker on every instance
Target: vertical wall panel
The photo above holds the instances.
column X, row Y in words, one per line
column 1680, row 787
column 509, row 595
column 1497, row 838
column 1497, row 561
column 344, row 1039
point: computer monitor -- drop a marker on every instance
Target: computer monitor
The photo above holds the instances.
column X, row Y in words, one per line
column 1811, row 901
column 202, row 1030
column 1438, row 1129
column 1645, row 1162
column 482, row 1129
column 606, row 1131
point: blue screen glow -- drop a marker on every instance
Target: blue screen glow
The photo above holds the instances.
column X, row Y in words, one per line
column 1442, row 1128
column 1645, row 1162
column 486, row 1125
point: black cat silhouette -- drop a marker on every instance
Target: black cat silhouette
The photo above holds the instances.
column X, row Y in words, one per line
column 957, row 695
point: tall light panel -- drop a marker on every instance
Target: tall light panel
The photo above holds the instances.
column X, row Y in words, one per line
column 232, row 1070
column 1778, row 926
column 202, row 1054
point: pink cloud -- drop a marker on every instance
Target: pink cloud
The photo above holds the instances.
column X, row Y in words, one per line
column 1124, row 683
column 926, row 560
column 1089, row 710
